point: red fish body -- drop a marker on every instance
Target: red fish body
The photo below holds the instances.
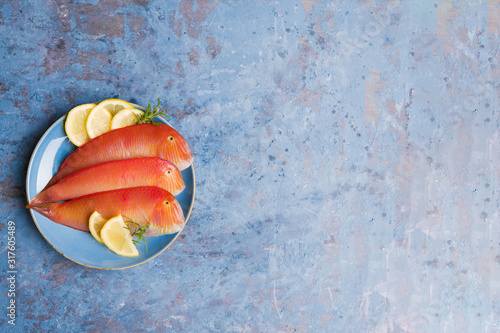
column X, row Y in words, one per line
column 145, row 140
column 149, row 205
column 112, row 175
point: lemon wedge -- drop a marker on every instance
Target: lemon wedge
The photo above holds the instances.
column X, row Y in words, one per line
column 98, row 122
column 96, row 222
column 75, row 124
column 125, row 117
column 117, row 238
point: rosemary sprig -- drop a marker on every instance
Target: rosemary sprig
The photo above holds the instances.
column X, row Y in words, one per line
column 149, row 114
column 137, row 231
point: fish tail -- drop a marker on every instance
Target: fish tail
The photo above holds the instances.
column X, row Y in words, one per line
column 45, row 208
column 39, row 198
column 54, row 211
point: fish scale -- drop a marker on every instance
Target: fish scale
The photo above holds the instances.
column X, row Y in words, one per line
column 148, row 205
column 135, row 172
column 144, row 140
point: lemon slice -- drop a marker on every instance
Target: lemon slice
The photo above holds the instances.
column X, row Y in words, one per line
column 96, row 222
column 117, row 238
column 114, row 105
column 75, row 124
column 125, row 117
column 98, row 122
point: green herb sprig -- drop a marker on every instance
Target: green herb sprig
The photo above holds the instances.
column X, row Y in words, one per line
column 149, row 114
column 137, row 231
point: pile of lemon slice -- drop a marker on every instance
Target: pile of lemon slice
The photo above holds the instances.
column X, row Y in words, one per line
column 87, row 121
column 114, row 234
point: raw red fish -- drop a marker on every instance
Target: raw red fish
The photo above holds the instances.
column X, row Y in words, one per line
column 145, row 140
column 112, row 175
column 149, row 205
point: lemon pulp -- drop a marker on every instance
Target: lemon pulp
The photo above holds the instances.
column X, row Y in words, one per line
column 125, row 117
column 117, row 238
column 75, row 124
column 96, row 222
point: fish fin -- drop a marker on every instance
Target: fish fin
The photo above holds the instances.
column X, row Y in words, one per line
column 45, row 208
column 38, row 199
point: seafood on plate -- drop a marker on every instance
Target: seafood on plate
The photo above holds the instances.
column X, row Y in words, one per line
column 144, row 140
column 112, row 175
column 149, row 205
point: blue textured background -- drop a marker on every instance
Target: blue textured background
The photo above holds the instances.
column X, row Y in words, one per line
column 347, row 157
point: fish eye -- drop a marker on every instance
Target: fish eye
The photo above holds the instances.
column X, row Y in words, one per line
column 167, row 203
column 169, row 172
column 171, row 138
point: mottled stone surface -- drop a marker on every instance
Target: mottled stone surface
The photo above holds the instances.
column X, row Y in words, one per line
column 347, row 157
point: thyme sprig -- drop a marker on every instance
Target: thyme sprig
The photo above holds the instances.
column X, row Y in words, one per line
column 150, row 113
column 137, row 231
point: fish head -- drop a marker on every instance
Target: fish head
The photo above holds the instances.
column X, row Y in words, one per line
column 175, row 149
column 171, row 175
column 167, row 216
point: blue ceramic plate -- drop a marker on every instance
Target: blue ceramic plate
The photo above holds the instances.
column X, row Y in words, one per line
column 52, row 149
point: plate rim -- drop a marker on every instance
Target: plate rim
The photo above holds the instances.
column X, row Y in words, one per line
column 28, row 173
